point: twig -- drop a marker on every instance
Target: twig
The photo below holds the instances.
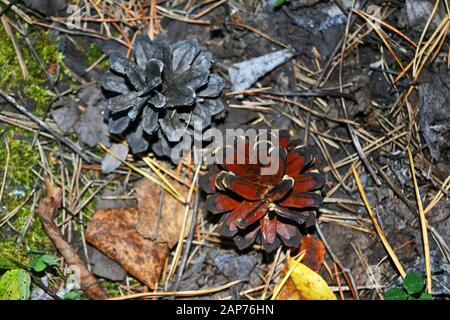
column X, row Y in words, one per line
column 44, row 288
column 46, row 211
column 314, row 93
column 351, row 131
column 209, row 9
column 46, row 127
column 8, row 6
column 260, row 33
column 345, row 272
column 314, row 112
column 190, row 293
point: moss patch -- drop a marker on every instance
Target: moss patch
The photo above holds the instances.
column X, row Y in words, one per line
column 11, row 77
column 19, row 183
column 20, row 180
column 93, row 55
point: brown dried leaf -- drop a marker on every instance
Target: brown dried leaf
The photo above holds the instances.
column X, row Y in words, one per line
column 113, row 232
column 314, row 252
column 172, row 215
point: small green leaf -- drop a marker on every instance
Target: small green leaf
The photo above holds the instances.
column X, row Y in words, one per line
column 72, row 295
column 49, row 260
column 279, row 3
column 41, row 262
column 413, row 283
column 15, row 285
column 425, row 296
column 395, row 294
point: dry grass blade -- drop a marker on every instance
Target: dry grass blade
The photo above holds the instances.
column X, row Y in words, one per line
column 178, row 250
column 10, row 33
column 423, row 224
column 438, row 196
column 426, row 50
column 424, row 32
column 260, row 33
column 191, row 293
column 377, row 226
column 159, row 174
column 11, row 214
column 167, row 187
column 167, row 171
column 286, row 277
column 154, row 25
column 208, row 10
column 387, row 25
column 271, row 272
column 379, row 32
column 367, row 269
column 314, row 112
column 5, row 171
column 169, row 14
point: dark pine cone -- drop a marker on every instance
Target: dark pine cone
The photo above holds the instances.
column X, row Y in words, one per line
column 162, row 93
column 265, row 208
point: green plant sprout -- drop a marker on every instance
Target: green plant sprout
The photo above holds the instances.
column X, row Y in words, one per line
column 15, row 283
column 279, row 3
column 413, row 289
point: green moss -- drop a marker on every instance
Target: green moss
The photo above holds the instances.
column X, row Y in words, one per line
column 19, row 183
column 20, row 180
column 11, row 77
column 93, row 55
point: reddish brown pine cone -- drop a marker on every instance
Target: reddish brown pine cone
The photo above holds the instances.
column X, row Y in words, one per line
column 265, row 208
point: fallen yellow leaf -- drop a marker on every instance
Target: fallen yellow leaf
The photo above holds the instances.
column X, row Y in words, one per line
column 302, row 283
column 310, row 285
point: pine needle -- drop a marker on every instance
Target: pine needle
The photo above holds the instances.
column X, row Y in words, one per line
column 286, row 277
column 377, row 226
column 423, row 224
column 169, row 188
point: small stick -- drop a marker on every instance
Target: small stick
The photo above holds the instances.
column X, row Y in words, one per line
column 338, row 281
column 46, row 211
column 345, row 272
column 260, row 33
column 207, row 10
column 351, row 131
column 46, row 127
column 190, row 293
column 314, row 93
